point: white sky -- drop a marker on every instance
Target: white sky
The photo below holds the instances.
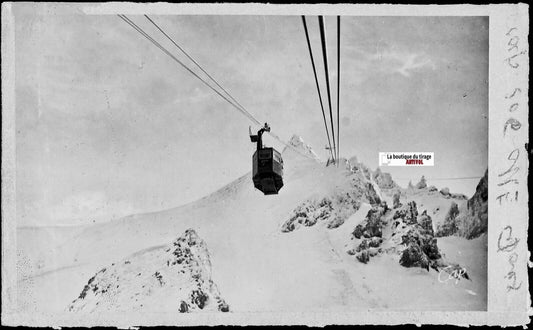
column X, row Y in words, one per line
column 107, row 125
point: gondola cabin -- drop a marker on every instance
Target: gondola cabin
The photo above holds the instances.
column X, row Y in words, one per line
column 267, row 166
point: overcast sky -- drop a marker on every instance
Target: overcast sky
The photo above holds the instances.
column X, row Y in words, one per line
column 107, row 125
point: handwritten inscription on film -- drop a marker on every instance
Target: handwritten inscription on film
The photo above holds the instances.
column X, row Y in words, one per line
column 508, row 178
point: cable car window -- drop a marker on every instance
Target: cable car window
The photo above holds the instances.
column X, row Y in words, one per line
column 264, row 154
column 277, row 157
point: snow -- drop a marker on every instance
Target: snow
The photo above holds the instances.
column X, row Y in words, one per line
column 175, row 277
column 436, row 205
column 255, row 266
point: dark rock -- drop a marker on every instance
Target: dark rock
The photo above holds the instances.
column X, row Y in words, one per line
column 363, row 256
column 425, row 222
column 385, row 207
column 449, row 225
column 413, row 256
column 396, row 200
column 481, row 194
column 371, row 232
column 373, row 222
column 223, row 307
column 476, row 220
column 371, row 194
column 429, row 247
column 199, row 298
column 159, row 278
column 408, row 213
column 184, row 307
column 473, row 221
column 421, row 245
column 287, row 227
column 358, row 231
column 458, row 196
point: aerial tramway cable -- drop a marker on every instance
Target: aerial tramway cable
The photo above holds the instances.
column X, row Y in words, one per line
column 163, row 49
column 317, row 84
column 242, row 110
column 197, row 64
column 325, row 55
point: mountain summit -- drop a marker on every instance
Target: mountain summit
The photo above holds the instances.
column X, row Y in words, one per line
column 299, row 144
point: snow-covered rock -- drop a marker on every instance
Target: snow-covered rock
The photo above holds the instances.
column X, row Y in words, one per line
column 445, row 192
column 403, row 233
column 478, row 209
column 422, row 183
column 370, row 232
column 418, row 244
column 384, row 180
column 449, row 226
column 396, row 200
column 336, row 206
column 297, row 144
column 372, row 226
column 172, row 278
column 470, row 220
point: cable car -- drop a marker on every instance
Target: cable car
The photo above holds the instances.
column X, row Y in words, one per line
column 267, row 165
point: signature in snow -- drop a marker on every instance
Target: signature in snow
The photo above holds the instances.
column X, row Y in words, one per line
column 452, row 272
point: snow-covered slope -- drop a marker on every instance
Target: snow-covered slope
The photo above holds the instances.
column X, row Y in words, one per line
column 170, row 278
column 256, row 265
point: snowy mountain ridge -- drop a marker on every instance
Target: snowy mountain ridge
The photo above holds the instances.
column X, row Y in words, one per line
column 299, row 144
column 171, row 278
column 329, row 241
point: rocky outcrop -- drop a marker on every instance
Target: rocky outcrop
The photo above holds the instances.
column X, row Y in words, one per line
column 408, row 214
column 445, row 192
column 475, row 221
column 472, row 221
column 396, row 200
column 424, row 220
column 372, row 225
column 370, row 232
column 335, row 208
column 383, row 180
column 310, row 212
column 418, row 244
column 175, row 278
column 449, row 226
column 412, row 239
column 422, row 183
column 458, row 196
